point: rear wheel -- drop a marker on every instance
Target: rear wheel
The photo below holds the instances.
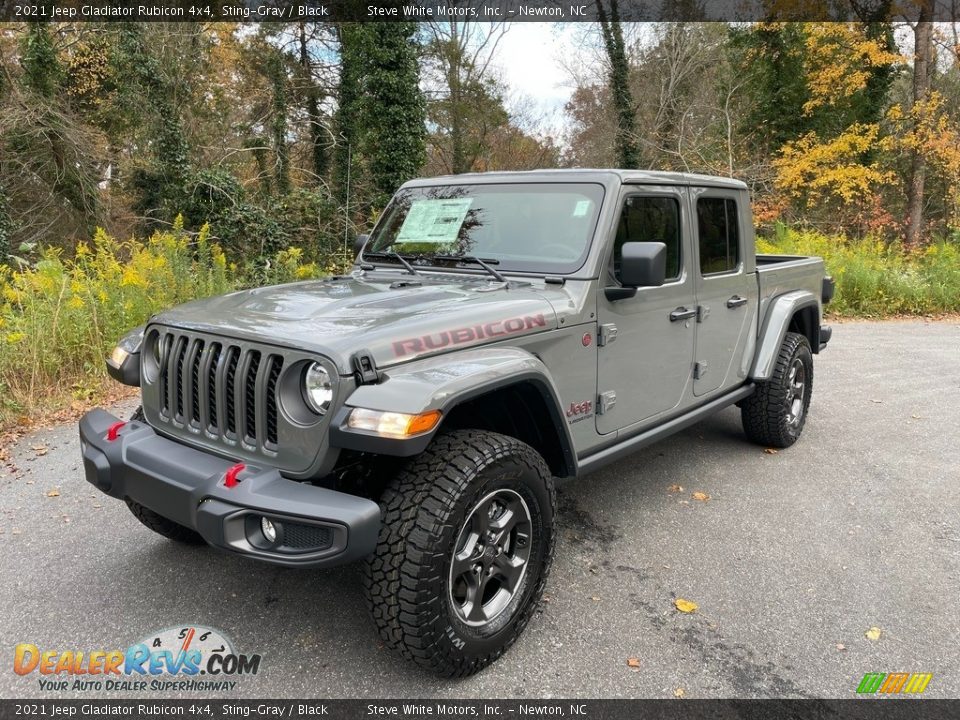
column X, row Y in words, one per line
column 776, row 412
column 465, row 548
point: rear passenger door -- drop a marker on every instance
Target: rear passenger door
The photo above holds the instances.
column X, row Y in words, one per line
column 726, row 290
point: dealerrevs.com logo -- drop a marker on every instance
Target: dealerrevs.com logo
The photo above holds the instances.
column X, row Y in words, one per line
column 189, row 658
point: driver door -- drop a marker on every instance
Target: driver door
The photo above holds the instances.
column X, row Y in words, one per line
column 646, row 359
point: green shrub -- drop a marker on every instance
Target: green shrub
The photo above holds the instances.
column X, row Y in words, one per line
column 60, row 317
column 876, row 279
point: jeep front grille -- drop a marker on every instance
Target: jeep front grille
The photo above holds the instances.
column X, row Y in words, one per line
column 225, row 391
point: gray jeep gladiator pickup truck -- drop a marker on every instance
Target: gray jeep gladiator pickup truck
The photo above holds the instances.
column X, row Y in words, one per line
column 498, row 332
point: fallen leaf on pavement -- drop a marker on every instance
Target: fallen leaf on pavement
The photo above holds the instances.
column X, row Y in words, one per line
column 53, row 493
column 40, row 450
column 679, row 692
column 595, row 598
column 685, row 606
column 633, row 662
column 841, row 647
column 701, row 496
column 873, row 633
column 770, row 451
column 674, row 489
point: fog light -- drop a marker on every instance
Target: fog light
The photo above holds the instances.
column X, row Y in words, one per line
column 268, row 530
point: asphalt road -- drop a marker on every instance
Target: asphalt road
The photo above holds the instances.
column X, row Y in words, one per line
column 794, row 557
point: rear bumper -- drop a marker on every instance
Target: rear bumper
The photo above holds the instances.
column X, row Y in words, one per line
column 826, row 332
column 317, row 527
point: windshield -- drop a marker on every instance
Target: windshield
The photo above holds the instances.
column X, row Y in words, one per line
column 527, row 227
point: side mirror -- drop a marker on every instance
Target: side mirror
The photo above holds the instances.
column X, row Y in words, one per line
column 643, row 264
column 359, row 243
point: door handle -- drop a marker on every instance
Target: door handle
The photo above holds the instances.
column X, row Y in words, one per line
column 736, row 301
column 682, row 313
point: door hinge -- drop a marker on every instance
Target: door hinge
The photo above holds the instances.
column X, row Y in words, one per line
column 606, row 401
column 606, row 334
column 703, row 312
column 699, row 370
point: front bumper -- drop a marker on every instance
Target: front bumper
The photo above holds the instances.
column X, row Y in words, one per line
column 318, row 527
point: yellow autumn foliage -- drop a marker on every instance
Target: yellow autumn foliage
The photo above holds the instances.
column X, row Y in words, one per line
column 839, row 61
column 815, row 169
column 928, row 129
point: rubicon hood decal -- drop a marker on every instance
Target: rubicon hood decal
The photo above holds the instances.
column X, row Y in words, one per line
column 468, row 335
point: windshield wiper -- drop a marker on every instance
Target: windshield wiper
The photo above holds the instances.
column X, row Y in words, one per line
column 396, row 256
column 485, row 263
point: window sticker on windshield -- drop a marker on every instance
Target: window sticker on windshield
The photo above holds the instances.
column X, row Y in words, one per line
column 434, row 221
column 581, row 208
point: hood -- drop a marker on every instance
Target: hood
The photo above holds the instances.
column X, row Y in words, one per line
column 396, row 317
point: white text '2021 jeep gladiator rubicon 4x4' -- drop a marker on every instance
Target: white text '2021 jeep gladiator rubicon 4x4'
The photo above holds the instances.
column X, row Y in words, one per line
column 498, row 332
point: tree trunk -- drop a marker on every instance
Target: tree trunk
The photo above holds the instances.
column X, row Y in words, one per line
column 627, row 149
column 923, row 50
column 458, row 150
column 312, row 108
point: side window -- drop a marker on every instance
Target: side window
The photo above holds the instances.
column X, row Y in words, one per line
column 650, row 219
column 719, row 231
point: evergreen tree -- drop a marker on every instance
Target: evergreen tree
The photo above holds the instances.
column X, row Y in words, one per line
column 349, row 104
column 396, row 133
column 42, row 72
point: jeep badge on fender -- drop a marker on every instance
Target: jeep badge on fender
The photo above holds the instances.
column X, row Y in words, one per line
column 415, row 415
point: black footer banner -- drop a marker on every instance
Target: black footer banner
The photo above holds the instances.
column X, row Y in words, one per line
column 865, row 708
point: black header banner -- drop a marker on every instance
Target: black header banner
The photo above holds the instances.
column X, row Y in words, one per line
column 473, row 10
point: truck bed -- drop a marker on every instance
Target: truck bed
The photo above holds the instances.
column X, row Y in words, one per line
column 778, row 274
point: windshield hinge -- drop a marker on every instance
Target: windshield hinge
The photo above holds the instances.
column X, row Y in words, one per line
column 364, row 368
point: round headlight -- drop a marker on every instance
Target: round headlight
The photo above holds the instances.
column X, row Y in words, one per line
column 318, row 388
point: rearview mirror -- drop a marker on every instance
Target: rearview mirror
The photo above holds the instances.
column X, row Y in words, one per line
column 643, row 264
column 359, row 243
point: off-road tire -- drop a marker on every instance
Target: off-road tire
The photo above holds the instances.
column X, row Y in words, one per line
column 423, row 511
column 159, row 524
column 766, row 414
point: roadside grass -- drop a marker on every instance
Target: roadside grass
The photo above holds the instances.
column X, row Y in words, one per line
column 60, row 317
column 875, row 279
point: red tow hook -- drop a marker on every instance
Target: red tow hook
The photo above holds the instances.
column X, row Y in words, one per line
column 113, row 432
column 230, row 477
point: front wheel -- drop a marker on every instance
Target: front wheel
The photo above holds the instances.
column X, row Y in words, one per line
column 776, row 412
column 465, row 548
